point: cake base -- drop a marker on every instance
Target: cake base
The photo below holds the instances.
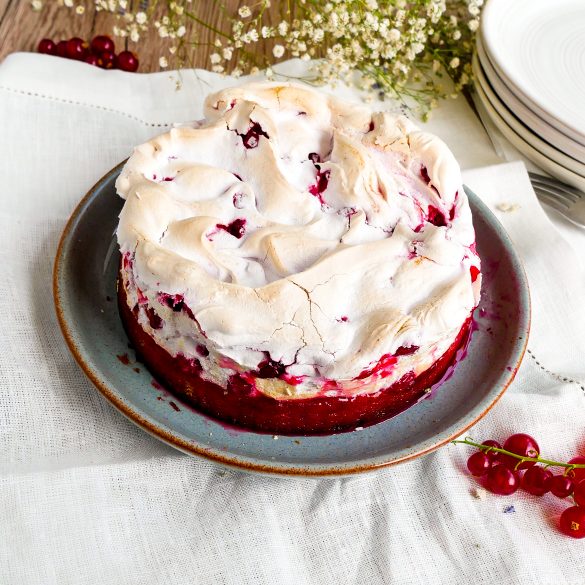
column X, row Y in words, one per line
column 258, row 412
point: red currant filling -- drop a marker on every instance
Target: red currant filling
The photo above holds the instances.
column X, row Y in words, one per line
column 236, row 228
column 202, row 350
column 154, row 320
column 252, row 137
column 241, row 386
column 404, row 350
column 270, row 368
column 322, row 178
column 190, row 365
column 474, row 271
column 175, row 302
column 425, row 175
column 436, row 216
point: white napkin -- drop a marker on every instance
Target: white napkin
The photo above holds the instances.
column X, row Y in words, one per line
column 86, row 497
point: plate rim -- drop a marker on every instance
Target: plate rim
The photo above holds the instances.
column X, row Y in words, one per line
column 525, row 148
column 233, row 461
column 552, row 135
column 519, row 128
column 529, row 96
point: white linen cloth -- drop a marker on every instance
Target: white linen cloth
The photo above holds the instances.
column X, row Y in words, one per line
column 86, row 497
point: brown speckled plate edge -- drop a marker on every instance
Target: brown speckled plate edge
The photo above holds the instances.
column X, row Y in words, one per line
column 167, row 434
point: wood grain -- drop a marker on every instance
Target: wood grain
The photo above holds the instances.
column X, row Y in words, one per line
column 21, row 29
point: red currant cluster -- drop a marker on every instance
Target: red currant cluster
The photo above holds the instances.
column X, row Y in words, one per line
column 100, row 52
column 506, row 468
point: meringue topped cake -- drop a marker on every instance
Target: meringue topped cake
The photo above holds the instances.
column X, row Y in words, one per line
column 294, row 263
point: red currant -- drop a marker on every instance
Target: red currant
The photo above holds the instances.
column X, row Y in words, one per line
column 108, row 60
column 47, row 46
column 493, row 455
column 579, row 493
column 77, row 49
column 535, row 480
column 579, row 473
column 572, row 522
column 102, row 44
column 127, row 61
column 502, row 480
column 92, row 59
column 560, row 485
column 523, row 445
column 479, row 464
column 61, row 49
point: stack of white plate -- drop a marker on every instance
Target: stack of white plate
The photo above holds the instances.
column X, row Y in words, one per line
column 530, row 80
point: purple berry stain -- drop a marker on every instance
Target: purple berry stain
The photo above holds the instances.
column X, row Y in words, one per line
column 236, row 228
column 436, row 216
column 174, row 302
column 404, row 350
column 202, row 350
column 154, row 320
column 270, row 368
column 322, row 179
column 251, row 138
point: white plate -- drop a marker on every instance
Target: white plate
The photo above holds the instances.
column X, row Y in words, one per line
column 539, row 126
column 525, row 148
column 520, row 129
column 539, row 46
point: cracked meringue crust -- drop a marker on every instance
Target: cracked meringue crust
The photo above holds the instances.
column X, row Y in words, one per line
column 293, row 248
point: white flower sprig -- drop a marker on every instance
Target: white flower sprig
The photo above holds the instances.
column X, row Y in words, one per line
column 401, row 49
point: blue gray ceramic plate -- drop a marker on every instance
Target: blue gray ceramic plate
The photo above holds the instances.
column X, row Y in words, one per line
column 85, row 293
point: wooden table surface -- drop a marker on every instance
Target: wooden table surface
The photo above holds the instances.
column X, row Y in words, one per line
column 21, row 29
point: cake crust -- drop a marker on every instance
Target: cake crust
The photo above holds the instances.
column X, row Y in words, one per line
column 242, row 405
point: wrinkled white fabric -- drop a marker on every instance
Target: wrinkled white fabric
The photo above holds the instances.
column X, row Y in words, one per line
column 86, row 497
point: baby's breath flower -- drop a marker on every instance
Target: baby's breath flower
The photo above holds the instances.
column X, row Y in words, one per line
column 392, row 44
column 244, row 12
column 393, row 35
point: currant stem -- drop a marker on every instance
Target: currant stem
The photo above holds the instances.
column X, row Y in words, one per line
column 547, row 462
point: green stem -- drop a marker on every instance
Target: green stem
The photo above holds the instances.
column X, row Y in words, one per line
column 522, row 459
column 207, row 25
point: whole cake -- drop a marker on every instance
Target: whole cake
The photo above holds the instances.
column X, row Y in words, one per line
column 294, row 263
